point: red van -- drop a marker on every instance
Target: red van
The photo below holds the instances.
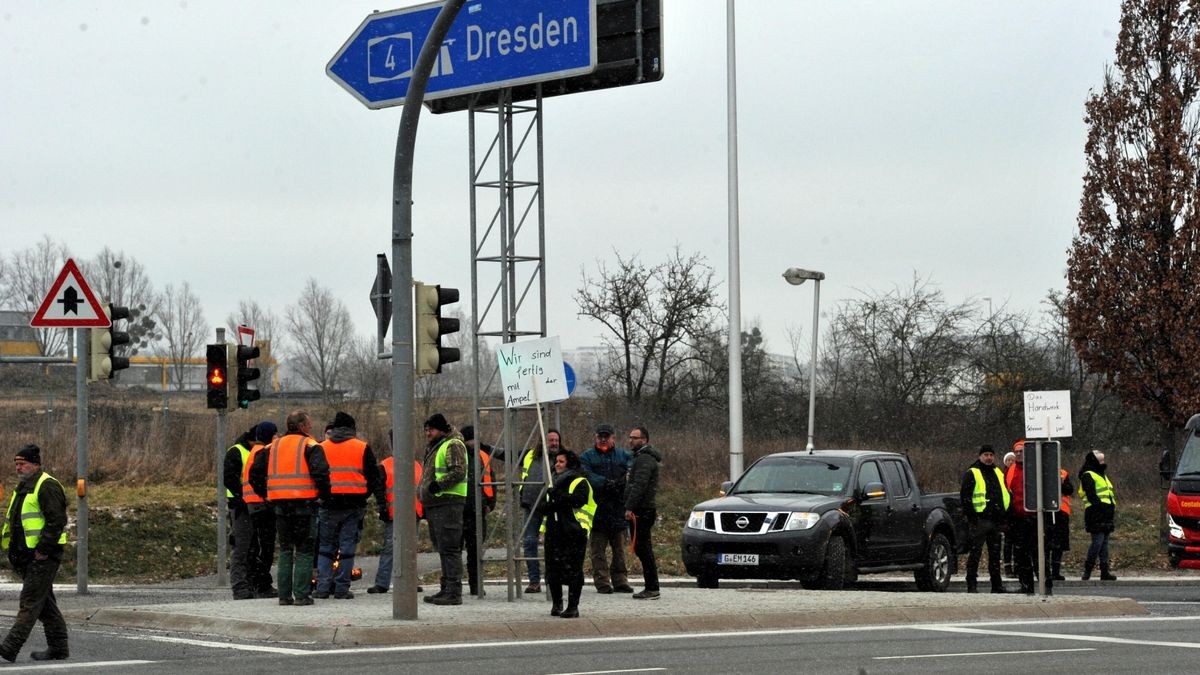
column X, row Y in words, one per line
column 1183, row 503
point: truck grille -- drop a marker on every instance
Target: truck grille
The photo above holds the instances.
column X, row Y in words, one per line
column 742, row 522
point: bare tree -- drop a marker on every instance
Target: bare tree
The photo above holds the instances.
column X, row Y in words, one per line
column 121, row 280
column 321, row 333
column 658, row 321
column 181, row 320
column 1133, row 272
column 367, row 376
column 30, row 274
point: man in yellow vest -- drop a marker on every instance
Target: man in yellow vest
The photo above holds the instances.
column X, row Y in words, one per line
column 985, row 504
column 243, row 532
column 353, row 476
column 293, row 474
column 34, row 534
column 443, row 494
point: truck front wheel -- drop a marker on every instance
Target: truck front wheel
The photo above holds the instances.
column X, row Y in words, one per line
column 935, row 575
column 834, row 576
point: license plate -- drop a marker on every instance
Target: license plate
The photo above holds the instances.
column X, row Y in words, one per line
column 737, row 558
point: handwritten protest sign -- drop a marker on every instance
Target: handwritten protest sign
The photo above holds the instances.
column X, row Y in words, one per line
column 532, row 372
column 1047, row 414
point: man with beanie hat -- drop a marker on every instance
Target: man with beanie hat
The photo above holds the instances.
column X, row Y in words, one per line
column 353, row 475
column 985, row 503
column 262, row 519
column 443, row 493
column 34, row 534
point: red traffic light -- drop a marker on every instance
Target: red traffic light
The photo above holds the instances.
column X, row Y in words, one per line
column 217, row 376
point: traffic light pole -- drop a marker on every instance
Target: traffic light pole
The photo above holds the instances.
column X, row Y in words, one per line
column 81, row 460
column 404, row 530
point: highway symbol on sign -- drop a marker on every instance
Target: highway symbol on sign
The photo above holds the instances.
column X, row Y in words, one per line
column 489, row 46
column 70, row 303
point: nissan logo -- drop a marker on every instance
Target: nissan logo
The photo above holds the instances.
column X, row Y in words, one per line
column 742, row 522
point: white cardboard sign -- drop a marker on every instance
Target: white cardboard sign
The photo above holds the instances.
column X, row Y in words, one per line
column 532, row 372
column 1047, row 414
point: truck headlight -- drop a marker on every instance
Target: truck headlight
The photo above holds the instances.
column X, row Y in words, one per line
column 801, row 520
column 696, row 520
column 1174, row 528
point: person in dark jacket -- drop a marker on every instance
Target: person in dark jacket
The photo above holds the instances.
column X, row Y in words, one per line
column 471, row 526
column 1023, row 526
column 985, row 502
column 37, row 502
column 354, row 476
column 242, row 530
column 605, row 466
column 443, row 494
column 293, row 474
column 1099, row 513
column 567, row 510
column 641, row 509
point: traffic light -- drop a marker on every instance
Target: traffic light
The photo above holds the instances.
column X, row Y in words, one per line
column 430, row 355
column 246, row 375
column 103, row 361
column 217, row 377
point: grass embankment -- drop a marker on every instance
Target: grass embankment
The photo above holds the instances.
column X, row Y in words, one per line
column 158, row 534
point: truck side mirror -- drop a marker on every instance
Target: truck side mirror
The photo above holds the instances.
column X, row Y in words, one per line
column 725, row 487
column 874, row 490
column 1164, row 465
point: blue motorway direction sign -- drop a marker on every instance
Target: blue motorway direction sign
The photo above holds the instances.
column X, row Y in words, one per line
column 491, row 44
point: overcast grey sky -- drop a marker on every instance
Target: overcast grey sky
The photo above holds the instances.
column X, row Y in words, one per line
column 877, row 139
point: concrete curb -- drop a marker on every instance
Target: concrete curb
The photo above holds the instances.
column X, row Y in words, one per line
column 428, row 633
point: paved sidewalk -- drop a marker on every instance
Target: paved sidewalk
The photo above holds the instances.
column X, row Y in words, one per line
column 198, row 606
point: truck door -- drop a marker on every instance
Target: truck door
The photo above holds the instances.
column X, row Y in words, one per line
column 870, row 530
column 906, row 531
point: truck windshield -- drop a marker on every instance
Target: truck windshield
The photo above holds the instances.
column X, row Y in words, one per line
column 795, row 475
column 1189, row 459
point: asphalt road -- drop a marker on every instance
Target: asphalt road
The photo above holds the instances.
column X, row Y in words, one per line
column 1164, row 642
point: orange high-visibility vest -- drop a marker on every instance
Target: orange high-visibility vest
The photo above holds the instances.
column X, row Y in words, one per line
column 346, row 476
column 486, row 475
column 1064, row 503
column 248, row 494
column 386, row 465
column 287, row 469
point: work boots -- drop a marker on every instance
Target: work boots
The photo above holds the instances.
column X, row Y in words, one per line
column 556, row 607
column 1105, row 574
column 572, row 610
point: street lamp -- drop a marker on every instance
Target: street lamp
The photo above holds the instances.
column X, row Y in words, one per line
column 796, row 276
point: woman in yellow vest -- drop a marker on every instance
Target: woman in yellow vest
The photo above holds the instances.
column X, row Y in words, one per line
column 1099, row 512
column 568, row 510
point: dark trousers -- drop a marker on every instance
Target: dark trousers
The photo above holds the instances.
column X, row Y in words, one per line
column 262, row 550
column 1025, row 550
column 643, row 547
column 984, row 531
column 297, row 527
column 445, row 529
column 469, row 529
column 564, row 565
column 37, row 603
column 604, row 575
column 243, row 543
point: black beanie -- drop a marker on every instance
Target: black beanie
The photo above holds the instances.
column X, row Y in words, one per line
column 343, row 420
column 30, row 453
column 265, row 431
column 468, row 433
column 437, row 421
column 986, row 448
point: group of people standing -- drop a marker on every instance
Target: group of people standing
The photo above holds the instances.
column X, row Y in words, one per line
column 993, row 502
column 310, row 497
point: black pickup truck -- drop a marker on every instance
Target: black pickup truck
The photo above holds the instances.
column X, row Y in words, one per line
column 824, row 518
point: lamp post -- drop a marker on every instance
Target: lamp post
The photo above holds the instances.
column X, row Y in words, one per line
column 796, row 276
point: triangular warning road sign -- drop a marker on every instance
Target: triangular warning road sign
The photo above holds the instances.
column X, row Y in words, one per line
column 70, row 303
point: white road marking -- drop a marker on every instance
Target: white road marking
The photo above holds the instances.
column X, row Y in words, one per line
column 606, row 672
column 208, row 643
column 60, row 665
column 1060, row 636
column 1021, row 651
